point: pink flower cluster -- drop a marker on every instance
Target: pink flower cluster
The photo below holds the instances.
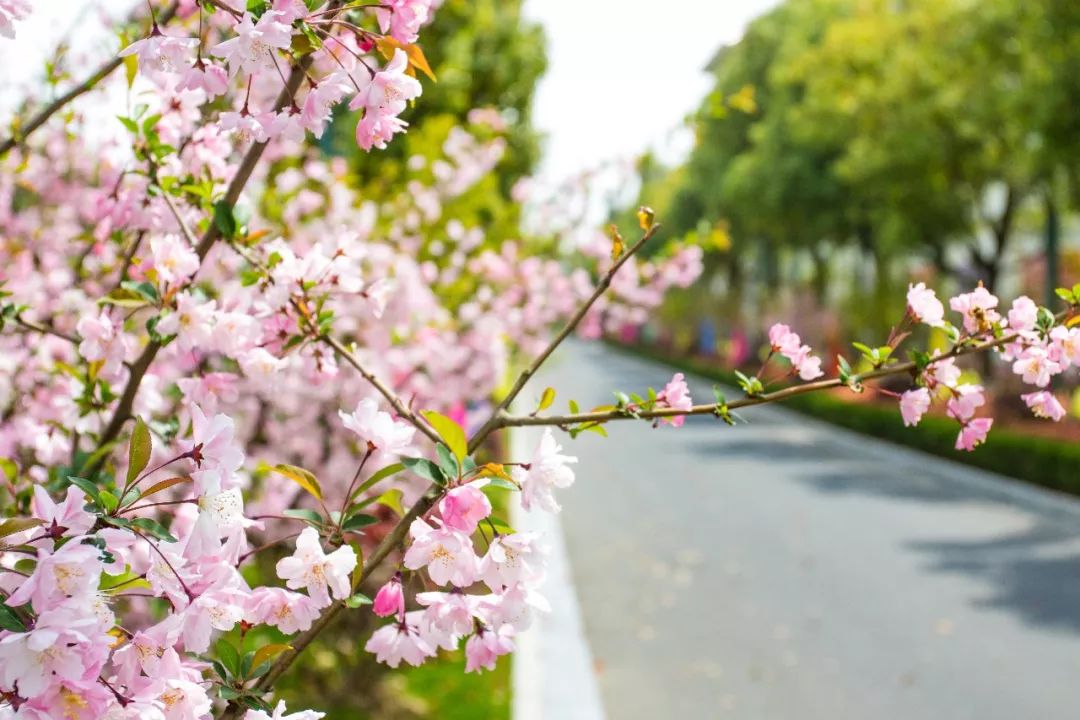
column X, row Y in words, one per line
column 787, row 343
column 510, row 570
column 1039, row 350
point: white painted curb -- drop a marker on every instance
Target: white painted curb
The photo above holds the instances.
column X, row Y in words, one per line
column 553, row 675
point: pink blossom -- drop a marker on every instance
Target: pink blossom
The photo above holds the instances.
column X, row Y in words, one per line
column 676, row 395
column 288, row 611
column 783, row 340
column 1023, row 315
column 403, row 18
column 451, row 612
column 1065, row 346
column 67, row 516
column 174, row 260
column 214, row 451
column 215, row 610
column 321, row 99
column 309, row 567
column 806, row 365
column 67, row 577
column 382, row 99
column 977, row 307
column 390, row 600
column 924, row 305
column 161, row 53
column 279, row 714
column 64, row 645
column 1043, row 404
column 10, row 11
column 913, row 405
column 1036, row 367
column 485, row 647
column 965, row 400
column 447, row 554
column 390, row 438
column 463, row 507
column 547, row 470
column 247, row 126
column 973, row 433
column 250, row 49
column 512, row 559
column 399, row 641
column 206, row 76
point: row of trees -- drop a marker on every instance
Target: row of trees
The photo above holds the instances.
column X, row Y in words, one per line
column 928, row 128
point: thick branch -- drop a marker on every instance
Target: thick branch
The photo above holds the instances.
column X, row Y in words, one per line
column 85, row 86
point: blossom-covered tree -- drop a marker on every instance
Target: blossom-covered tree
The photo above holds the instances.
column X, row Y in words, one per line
column 213, row 348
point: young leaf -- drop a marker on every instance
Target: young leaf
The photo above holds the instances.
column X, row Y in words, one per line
column 451, row 433
column 92, row 491
column 425, row 469
column 9, row 620
column 153, row 527
column 392, row 500
column 380, row 475
column 228, row 656
column 14, row 525
column 224, row 220
column 268, row 652
column 139, row 450
column 309, row 516
column 358, row 600
column 447, row 462
column 358, row 521
column 646, row 217
column 164, row 485
column 301, row 477
column 546, row 399
column 618, row 246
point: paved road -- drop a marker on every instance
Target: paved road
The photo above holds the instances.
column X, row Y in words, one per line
column 782, row 569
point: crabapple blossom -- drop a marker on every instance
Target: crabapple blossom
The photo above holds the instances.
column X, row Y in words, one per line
column 1043, row 404
column 547, row 471
column 309, row 567
column 512, row 559
column 399, row 641
column 279, row 714
column 486, row 646
column 463, row 507
column 675, row 395
column 973, row 433
column 213, row 449
column 978, row 309
column 403, row 18
column 382, row 98
column 10, row 11
column 1036, row 367
column 387, row 438
column 161, row 53
column 447, row 554
column 390, row 600
column 250, row 49
column 913, row 405
column 1023, row 314
column 924, row 306
column 174, row 260
column 68, row 517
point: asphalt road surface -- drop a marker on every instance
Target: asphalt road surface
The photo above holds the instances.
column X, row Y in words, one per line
column 786, row 569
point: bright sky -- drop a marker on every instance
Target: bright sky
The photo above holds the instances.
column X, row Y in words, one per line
column 624, row 73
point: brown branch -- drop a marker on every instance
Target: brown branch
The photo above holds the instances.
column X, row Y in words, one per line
column 505, row 420
column 85, row 86
column 45, row 329
column 571, row 325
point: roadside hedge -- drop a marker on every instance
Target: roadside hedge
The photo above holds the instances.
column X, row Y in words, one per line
column 1048, row 462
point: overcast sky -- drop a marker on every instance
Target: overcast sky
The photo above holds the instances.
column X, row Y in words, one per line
column 622, row 73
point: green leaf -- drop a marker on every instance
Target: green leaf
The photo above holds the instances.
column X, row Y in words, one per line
column 109, row 502
column 451, row 433
column 224, row 220
column 92, row 490
column 447, row 462
column 358, row 600
column 139, row 450
column 546, row 399
column 9, row 620
column 11, row 526
column 380, row 475
column 392, row 499
column 9, row 468
column 425, row 469
column 573, row 407
column 144, row 288
column 301, row 477
column 122, row 297
column 153, row 527
column 131, row 69
column 309, row 516
column 501, row 483
column 229, row 656
column 358, row 521
column 268, row 652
